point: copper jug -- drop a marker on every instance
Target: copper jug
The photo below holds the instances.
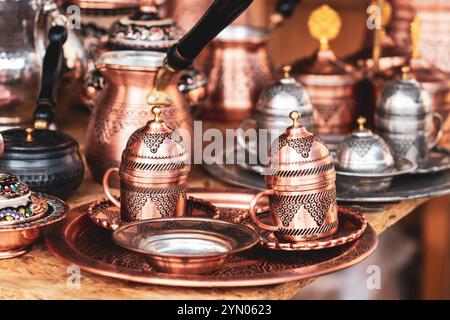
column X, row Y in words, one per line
column 122, row 109
column 301, row 182
column 239, row 65
column 329, row 81
column 153, row 173
column 130, row 75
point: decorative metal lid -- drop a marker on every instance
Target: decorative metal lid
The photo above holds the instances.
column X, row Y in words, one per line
column 382, row 53
column 11, row 187
column 404, row 97
column 155, row 152
column 284, row 95
column 31, row 144
column 364, row 152
column 144, row 31
column 323, row 67
column 299, row 159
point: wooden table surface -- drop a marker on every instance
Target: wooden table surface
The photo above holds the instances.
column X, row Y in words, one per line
column 39, row 275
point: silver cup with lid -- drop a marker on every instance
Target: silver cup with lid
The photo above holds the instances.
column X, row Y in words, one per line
column 404, row 118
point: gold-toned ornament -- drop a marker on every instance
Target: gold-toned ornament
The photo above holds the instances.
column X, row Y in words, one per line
column 415, row 37
column 324, row 25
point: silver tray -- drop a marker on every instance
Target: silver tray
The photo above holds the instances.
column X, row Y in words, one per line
column 405, row 187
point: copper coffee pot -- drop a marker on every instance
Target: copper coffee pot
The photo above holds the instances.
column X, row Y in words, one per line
column 153, row 173
column 301, row 182
column 129, row 75
column 239, row 65
column 329, row 81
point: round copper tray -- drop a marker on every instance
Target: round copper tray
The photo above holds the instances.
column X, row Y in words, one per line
column 78, row 240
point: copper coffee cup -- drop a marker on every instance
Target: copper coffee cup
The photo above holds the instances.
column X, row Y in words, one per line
column 153, row 173
column 301, row 187
column 295, row 217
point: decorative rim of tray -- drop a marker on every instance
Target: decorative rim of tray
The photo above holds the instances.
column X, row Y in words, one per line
column 242, row 270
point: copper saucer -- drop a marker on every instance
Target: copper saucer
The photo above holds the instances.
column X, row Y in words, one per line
column 351, row 226
column 107, row 216
column 77, row 240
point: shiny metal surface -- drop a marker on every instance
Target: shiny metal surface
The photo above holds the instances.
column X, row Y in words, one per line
column 76, row 238
column 153, row 173
column 185, row 245
column 16, row 239
column 280, row 98
column 238, row 66
column 301, row 186
column 364, row 152
column 404, row 118
column 403, row 187
column 122, row 108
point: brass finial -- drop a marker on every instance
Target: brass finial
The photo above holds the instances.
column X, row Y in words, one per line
column 361, row 123
column 324, row 25
column 156, row 110
column 29, row 132
column 406, row 72
column 295, row 116
column 415, row 37
column 382, row 15
column 287, row 71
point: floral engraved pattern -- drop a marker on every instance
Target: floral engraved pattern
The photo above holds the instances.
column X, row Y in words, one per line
column 317, row 205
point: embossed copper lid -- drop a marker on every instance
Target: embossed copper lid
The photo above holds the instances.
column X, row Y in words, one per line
column 284, row 95
column 145, row 30
column 155, row 153
column 364, row 152
column 299, row 160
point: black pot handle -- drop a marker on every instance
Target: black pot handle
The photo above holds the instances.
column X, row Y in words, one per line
column 219, row 15
column 44, row 113
column 284, row 9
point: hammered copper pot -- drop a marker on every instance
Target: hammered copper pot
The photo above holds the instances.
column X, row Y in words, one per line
column 238, row 65
column 122, row 109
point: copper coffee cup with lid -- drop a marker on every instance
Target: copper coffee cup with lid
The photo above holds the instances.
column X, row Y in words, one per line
column 301, row 182
column 153, row 173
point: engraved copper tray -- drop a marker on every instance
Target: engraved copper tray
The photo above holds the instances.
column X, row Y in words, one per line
column 78, row 240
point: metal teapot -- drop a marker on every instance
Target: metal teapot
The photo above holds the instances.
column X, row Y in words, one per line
column 24, row 25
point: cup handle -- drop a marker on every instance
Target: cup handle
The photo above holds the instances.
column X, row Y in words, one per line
column 440, row 131
column 106, row 186
column 252, row 211
column 240, row 132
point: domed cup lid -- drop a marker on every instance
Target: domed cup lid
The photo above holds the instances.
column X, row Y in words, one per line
column 364, row 152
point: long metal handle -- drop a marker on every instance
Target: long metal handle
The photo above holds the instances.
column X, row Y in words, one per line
column 51, row 71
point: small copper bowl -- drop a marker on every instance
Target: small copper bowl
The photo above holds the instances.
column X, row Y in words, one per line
column 185, row 245
column 17, row 239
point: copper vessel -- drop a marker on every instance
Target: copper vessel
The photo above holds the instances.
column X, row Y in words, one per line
column 301, row 182
column 122, row 108
column 239, row 65
column 186, row 245
column 435, row 31
column 329, row 81
column 153, row 173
